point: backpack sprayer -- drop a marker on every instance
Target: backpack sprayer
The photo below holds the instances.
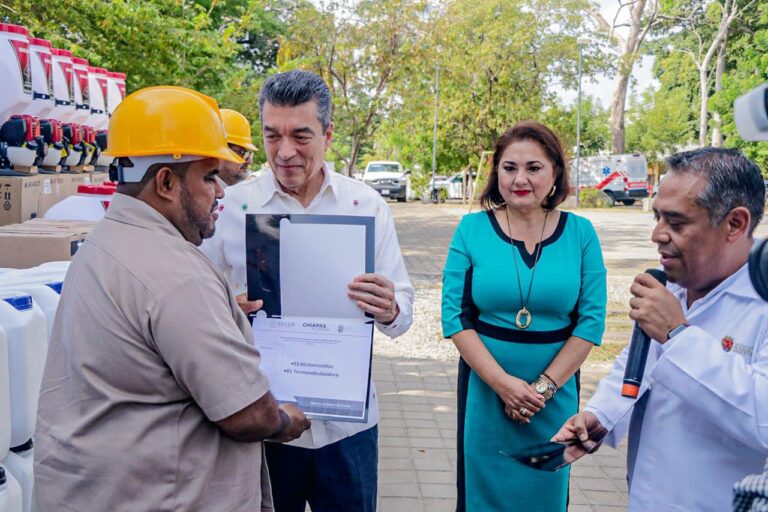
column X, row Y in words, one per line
column 54, row 107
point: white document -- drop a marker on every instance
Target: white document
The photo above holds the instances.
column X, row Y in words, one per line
column 321, row 365
column 317, row 261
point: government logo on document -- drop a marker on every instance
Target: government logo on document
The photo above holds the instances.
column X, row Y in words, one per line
column 727, row 343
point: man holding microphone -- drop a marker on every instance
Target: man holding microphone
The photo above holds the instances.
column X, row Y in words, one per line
column 700, row 421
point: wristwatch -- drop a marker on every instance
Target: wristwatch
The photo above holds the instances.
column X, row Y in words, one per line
column 676, row 330
column 545, row 386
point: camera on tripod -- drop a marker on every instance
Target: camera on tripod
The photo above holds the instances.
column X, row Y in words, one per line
column 751, row 114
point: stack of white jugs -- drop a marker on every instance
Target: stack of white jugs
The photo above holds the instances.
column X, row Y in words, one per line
column 54, row 107
column 28, row 302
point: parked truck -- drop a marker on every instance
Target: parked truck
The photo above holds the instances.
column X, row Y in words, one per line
column 623, row 178
column 388, row 179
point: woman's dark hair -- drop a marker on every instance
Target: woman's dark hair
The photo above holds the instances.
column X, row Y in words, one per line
column 549, row 142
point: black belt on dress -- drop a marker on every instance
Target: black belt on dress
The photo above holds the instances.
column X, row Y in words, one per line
column 518, row 336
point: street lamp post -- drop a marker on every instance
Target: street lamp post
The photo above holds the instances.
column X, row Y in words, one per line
column 580, row 42
column 433, row 190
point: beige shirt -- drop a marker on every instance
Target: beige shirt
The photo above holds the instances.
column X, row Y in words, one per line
column 148, row 349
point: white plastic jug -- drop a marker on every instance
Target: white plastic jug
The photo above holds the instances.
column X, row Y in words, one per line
column 5, row 397
column 20, row 464
column 63, row 86
column 55, row 266
column 42, row 78
column 82, row 91
column 90, row 203
column 97, row 84
column 115, row 90
column 10, row 492
column 45, row 294
column 26, row 329
column 41, row 274
column 16, row 85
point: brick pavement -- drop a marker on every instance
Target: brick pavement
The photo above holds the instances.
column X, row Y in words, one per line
column 417, row 444
column 417, row 433
column 417, row 440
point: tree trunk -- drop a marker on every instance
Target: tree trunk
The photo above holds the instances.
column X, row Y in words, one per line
column 618, row 106
column 628, row 50
column 703, row 111
column 353, row 156
column 717, row 121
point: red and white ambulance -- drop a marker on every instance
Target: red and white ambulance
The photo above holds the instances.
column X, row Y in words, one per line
column 623, row 178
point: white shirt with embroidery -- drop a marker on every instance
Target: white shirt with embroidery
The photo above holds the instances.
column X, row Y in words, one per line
column 338, row 195
column 705, row 395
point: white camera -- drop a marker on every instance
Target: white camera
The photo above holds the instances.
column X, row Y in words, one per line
column 751, row 114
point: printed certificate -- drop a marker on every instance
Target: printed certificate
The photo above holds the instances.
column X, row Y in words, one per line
column 322, row 366
column 315, row 343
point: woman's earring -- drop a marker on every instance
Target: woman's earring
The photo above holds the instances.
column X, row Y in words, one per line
column 554, row 188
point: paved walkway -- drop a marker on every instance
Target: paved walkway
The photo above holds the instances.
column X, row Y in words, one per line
column 418, row 396
column 417, row 444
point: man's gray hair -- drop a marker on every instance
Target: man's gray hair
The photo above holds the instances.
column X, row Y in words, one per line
column 293, row 88
column 733, row 180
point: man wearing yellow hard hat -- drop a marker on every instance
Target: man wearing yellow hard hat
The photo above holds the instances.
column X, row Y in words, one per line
column 238, row 132
column 152, row 396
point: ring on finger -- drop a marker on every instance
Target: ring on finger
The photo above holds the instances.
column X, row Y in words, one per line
column 523, row 412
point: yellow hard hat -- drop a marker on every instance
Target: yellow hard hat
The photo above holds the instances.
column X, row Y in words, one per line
column 238, row 129
column 168, row 120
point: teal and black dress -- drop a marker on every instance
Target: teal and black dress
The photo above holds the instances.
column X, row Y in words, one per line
column 481, row 292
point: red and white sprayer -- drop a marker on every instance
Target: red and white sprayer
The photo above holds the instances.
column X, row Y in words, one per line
column 54, row 107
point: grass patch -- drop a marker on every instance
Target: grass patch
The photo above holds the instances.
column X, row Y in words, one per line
column 608, row 351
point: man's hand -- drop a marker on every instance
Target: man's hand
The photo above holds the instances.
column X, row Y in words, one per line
column 248, row 306
column 375, row 294
column 294, row 426
column 586, row 429
column 654, row 308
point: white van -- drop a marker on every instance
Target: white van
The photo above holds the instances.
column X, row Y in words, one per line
column 623, row 178
column 388, row 179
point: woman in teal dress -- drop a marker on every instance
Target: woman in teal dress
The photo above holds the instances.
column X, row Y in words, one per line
column 524, row 293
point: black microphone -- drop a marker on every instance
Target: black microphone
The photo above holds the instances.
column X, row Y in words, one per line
column 638, row 351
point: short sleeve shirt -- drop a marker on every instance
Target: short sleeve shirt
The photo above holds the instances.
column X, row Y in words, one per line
column 148, row 350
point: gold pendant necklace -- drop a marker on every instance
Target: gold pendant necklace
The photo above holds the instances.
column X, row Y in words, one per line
column 524, row 317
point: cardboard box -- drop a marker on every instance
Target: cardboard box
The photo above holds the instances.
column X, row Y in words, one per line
column 54, row 190
column 39, row 240
column 19, row 198
column 72, row 181
column 97, row 178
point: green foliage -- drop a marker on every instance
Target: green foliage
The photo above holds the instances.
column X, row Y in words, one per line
column 420, row 183
column 748, row 69
column 661, row 122
column 497, row 59
column 593, row 198
column 595, row 128
column 364, row 50
column 666, row 120
column 221, row 48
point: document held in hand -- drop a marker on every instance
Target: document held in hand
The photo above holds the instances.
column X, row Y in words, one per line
column 316, row 344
